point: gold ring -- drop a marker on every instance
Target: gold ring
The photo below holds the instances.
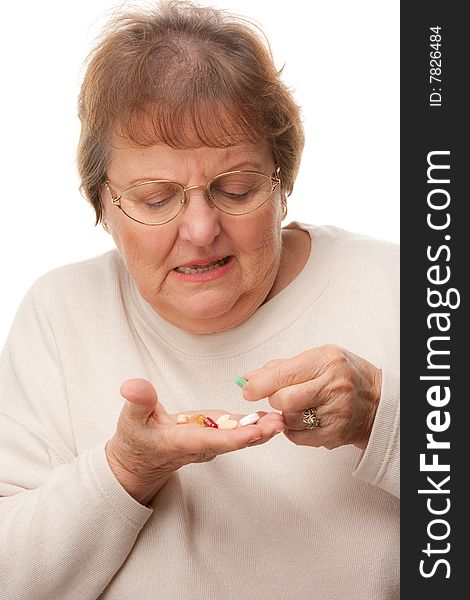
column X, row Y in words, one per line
column 310, row 418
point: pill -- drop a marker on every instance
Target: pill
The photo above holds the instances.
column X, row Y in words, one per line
column 249, row 419
column 182, row 419
column 208, row 422
column 197, row 419
column 222, row 419
column 240, row 381
column 229, row 424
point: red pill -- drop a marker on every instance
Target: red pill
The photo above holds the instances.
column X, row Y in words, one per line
column 208, row 422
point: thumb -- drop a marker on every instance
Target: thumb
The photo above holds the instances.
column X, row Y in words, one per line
column 141, row 399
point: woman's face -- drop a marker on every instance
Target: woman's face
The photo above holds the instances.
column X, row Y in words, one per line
column 226, row 295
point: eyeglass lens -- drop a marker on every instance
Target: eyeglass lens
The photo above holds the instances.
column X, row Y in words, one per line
column 233, row 193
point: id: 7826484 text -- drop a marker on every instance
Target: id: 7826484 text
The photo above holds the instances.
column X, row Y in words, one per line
column 435, row 66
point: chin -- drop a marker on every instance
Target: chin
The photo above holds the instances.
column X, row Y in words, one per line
column 208, row 309
column 209, row 326
column 204, row 318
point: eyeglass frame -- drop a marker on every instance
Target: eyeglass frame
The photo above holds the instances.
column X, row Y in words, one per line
column 275, row 181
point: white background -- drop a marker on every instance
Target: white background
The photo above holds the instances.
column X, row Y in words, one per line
column 342, row 60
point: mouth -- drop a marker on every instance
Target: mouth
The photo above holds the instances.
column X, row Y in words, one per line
column 203, row 267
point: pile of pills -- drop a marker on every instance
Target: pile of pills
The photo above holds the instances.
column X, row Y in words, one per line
column 223, row 422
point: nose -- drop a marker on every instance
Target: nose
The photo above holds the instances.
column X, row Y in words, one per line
column 199, row 221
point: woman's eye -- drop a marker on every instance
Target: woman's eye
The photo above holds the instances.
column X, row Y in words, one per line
column 155, row 198
column 156, row 201
column 239, row 188
column 233, row 192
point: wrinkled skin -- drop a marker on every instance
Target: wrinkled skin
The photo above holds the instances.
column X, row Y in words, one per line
column 149, row 446
column 344, row 388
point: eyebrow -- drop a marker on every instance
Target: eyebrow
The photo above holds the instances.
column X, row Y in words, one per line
column 244, row 165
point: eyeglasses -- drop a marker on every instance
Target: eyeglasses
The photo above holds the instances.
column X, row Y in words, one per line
column 160, row 201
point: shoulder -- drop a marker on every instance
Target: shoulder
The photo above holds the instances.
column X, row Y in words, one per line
column 79, row 283
column 353, row 249
column 336, row 235
column 349, row 262
column 89, row 270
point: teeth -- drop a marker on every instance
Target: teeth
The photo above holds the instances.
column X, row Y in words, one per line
column 193, row 270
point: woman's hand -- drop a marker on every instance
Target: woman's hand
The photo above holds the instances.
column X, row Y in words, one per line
column 343, row 387
column 149, row 446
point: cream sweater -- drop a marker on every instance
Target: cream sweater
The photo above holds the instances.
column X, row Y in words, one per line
column 274, row 521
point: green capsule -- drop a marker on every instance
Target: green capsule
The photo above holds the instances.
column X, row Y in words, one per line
column 240, row 381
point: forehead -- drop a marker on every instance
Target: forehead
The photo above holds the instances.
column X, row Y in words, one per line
column 129, row 164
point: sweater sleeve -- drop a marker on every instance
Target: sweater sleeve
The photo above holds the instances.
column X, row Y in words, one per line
column 379, row 464
column 66, row 524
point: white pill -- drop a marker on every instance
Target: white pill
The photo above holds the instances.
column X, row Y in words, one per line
column 249, row 419
column 229, row 424
column 222, row 419
column 182, row 419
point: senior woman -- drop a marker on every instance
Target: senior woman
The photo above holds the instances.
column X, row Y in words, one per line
column 190, row 145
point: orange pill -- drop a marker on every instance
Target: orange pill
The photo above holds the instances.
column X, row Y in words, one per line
column 197, row 419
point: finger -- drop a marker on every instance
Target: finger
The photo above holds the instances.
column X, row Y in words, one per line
column 294, row 420
column 298, row 369
column 267, row 429
column 141, row 400
column 219, row 441
column 317, row 437
column 214, row 414
column 271, row 420
column 271, row 363
column 298, row 397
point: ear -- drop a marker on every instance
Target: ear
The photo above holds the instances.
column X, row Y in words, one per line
column 283, row 207
column 104, row 189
